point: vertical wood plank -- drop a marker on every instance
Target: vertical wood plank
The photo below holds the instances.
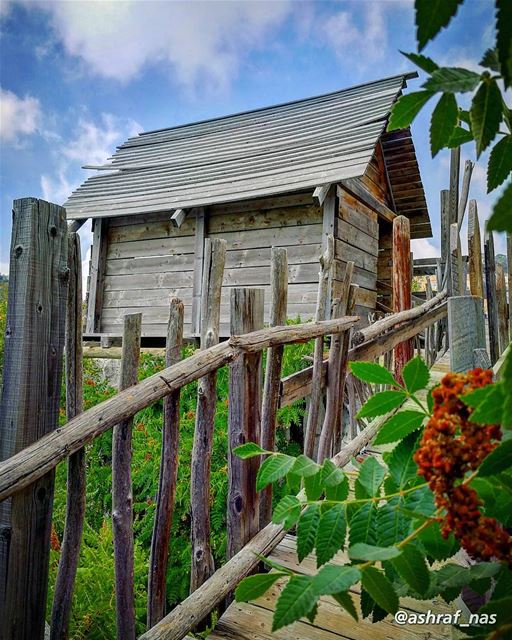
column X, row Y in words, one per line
column 454, row 184
column 247, row 308
column 270, row 403
column 202, row 558
column 329, row 229
column 476, row 280
column 96, row 275
column 76, row 482
column 402, row 285
column 466, row 179
column 455, row 280
column 501, row 296
column 122, row 498
column 34, row 342
column 490, row 292
column 198, row 271
column 445, row 231
column 429, row 331
column 168, row 474
column 326, row 261
column 467, row 331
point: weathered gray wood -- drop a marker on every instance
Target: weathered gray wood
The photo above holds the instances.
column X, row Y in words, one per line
column 75, row 225
column 75, row 498
column 320, row 193
column 509, row 270
column 270, row 403
column 243, row 422
column 476, row 281
column 490, row 292
column 454, row 184
column 501, row 297
column 178, row 217
column 34, row 341
column 429, row 333
column 466, row 179
column 97, row 275
column 455, row 282
column 24, row 468
column 402, row 282
column 198, row 271
column 316, row 390
column 168, row 475
column 467, row 331
column 202, row 558
column 445, row 234
column 481, row 358
column 122, row 493
column 329, row 229
column 358, row 189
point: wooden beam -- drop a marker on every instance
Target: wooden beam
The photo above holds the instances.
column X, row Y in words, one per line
column 454, row 184
column 75, row 225
column 445, row 231
column 198, row 270
column 501, row 296
column 476, row 279
column 490, row 292
column 96, row 276
column 468, row 170
column 320, row 193
column 467, row 331
column 330, row 229
column 455, row 281
column 358, row 189
column 402, row 282
column 178, row 217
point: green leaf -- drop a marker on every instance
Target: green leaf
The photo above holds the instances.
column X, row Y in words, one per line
column 464, row 116
column 500, row 163
column 273, row 468
column 331, row 474
column 415, row 374
column 431, row 17
column 371, row 475
column 506, row 376
column 362, row 551
column 402, row 467
column 503, row 584
column 313, row 613
column 344, row 599
column 452, row 575
column 330, row 537
column 398, row 426
column 307, row 531
column 248, row 450
column 362, row 525
column 372, row 372
column 443, row 123
column 486, row 112
column 287, row 512
column 489, row 410
column 313, row 486
column 381, row 403
column 504, row 39
column 420, row 502
column 332, row 579
column 459, row 137
column 297, row 599
column 423, row 62
column 500, row 459
column 391, row 525
column 367, row 603
column 411, row 566
column 477, row 396
column 430, row 400
column 380, row 589
column 484, row 570
column 435, row 544
column 339, row 492
column 406, row 108
column 305, row 467
column 254, row 587
column 501, row 218
column 490, row 60
column 452, row 80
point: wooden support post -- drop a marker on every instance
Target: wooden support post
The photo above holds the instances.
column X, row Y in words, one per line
column 454, row 184
column 330, row 207
column 501, row 298
column 455, row 283
column 490, row 292
column 270, row 404
column 247, row 307
column 326, row 260
column 198, row 271
column 429, row 331
column 168, row 474
column 467, row 331
column 509, row 270
column 97, row 276
column 445, row 234
column 402, row 285
column 468, row 170
column 202, row 558
column 476, row 280
column 75, row 498
column 75, row 225
column 122, row 498
column 34, row 341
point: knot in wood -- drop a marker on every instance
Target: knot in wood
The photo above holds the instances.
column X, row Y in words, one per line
column 53, row 231
column 64, row 275
column 18, row 250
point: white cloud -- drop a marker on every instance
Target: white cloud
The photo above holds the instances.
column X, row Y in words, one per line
column 423, row 248
column 199, row 41
column 57, row 188
column 18, row 116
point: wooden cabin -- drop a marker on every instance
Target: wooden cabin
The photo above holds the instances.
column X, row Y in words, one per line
column 285, row 175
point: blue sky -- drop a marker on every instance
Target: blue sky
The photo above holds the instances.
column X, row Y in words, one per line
column 79, row 77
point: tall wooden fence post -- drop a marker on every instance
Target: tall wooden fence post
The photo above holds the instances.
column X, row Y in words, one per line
column 75, row 498
column 34, row 343
column 466, row 326
column 247, row 307
column 490, row 292
column 476, row 280
column 270, row 403
column 402, row 285
column 202, row 558
column 122, row 498
column 168, row 474
column 455, row 279
column 501, row 298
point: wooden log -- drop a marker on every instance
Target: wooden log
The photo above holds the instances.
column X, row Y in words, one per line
column 455, row 281
column 270, row 403
column 490, row 292
column 501, row 297
column 34, row 341
column 198, row 270
column 509, row 270
column 202, row 558
column 454, row 184
column 326, row 261
column 97, row 275
column 467, row 332
column 76, row 482
column 429, row 333
column 445, row 232
column 476, row 281
column 34, row 461
column 466, row 179
column 168, row 475
column 122, row 493
column 330, row 229
column 402, row 285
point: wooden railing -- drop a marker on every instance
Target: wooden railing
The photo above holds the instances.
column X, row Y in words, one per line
column 249, row 530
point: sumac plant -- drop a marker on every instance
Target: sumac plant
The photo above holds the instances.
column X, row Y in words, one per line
column 445, row 482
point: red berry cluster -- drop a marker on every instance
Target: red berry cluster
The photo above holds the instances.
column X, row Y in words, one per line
column 450, row 447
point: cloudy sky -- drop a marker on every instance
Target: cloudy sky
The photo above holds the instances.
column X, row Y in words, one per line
column 78, row 77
